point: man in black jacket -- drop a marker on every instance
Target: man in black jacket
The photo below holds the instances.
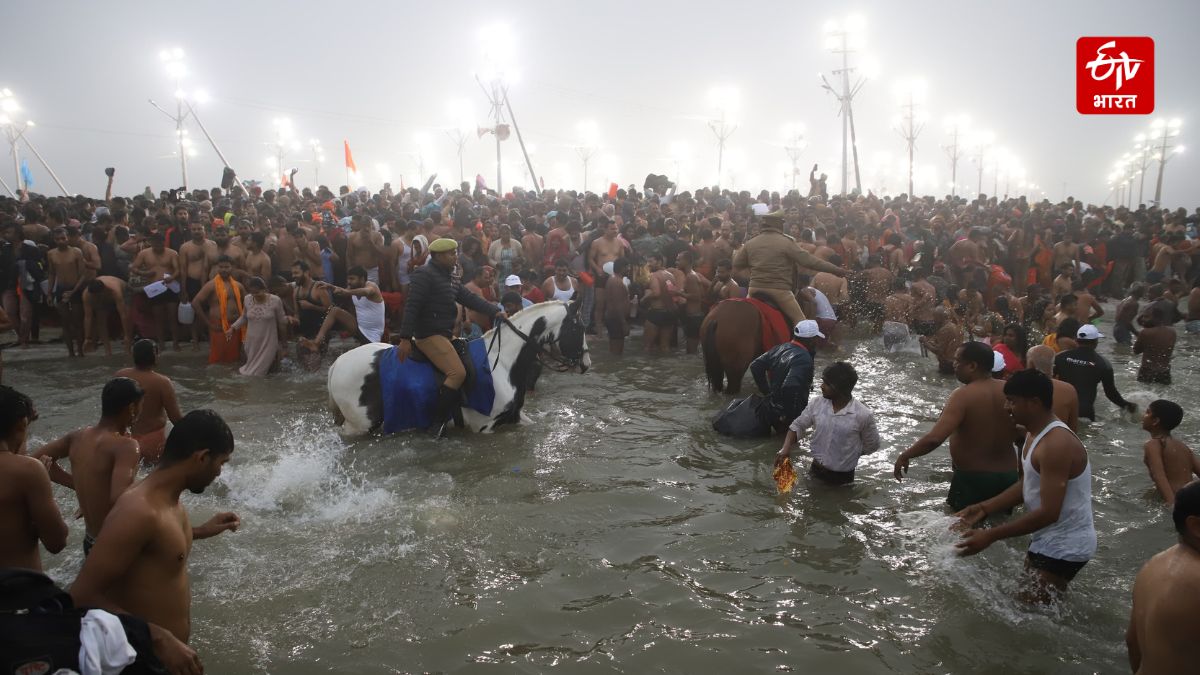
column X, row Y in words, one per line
column 429, row 315
column 1084, row 369
column 785, row 375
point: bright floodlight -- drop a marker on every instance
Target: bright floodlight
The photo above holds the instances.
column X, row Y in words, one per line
column 726, row 100
column 459, row 112
column 499, row 46
column 589, row 132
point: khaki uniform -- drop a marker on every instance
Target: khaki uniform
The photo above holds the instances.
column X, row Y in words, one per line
column 772, row 258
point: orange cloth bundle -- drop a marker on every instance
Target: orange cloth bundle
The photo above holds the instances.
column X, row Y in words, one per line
column 784, row 475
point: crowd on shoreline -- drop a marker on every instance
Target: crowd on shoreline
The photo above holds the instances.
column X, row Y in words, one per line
column 1001, row 291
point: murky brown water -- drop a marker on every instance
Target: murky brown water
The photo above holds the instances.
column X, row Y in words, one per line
column 618, row 533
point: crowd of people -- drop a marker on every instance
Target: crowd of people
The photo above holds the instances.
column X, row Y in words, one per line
column 1002, row 292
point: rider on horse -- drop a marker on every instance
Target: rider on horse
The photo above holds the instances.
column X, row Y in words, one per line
column 429, row 314
column 772, row 258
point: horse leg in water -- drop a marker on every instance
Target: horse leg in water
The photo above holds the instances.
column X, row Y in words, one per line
column 732, row 334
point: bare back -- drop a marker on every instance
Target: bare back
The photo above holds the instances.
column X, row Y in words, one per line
column 18, row 536
column 1164, row 628
column 983, row 439
column 158, row 402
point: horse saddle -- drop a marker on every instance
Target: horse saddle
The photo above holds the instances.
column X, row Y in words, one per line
column 768, row 300
column 461, row 348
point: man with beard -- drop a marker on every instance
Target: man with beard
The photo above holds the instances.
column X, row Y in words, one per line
column 224, row 347
column 237, row 257
column 68, row 276
column 139, row 563
column 194, row 257
column 366, row 323
column 154, row 264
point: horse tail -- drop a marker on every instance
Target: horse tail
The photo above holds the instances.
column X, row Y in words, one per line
column 712, row 359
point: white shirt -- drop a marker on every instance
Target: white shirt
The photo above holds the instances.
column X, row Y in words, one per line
column 839, row 437
column 824, row 309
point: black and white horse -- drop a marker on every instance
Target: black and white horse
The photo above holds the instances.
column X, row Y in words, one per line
column 549, row 330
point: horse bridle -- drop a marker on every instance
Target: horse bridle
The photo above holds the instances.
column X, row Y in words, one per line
column 558, row 363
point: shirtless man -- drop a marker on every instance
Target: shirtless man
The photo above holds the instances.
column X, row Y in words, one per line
column 286, row 250
column 965, row 255
column 836, row 288
column 310, row 252
column 561, row 286
column 91, row 254
column 877, row 283
column 924, row 299
column 897, row 313
column 364, row 248
column 616, row 307
column 68, row 276
column 221, row 301
column 102, row 295
column 1064, row 282
column 1171, row 463
column 1087, row 309
column 980, row 431
column 693, row 288
column 224, row 247
column 1193, row 309
column 258, row 263
column 28, row 513
column 159, row 263
column 1124, row 330
column 139, row 564
column 1066, row 253
column 724, row 286
column 661, row 315
column 706, row 254
column 534, row 247
column 194, row 257
column 1066, row 400
column 158, row 404
column 943, row 341
column 366, row 323
column 604, row 249
column 1156, row 343
column 104, row 458
column 1164, row 629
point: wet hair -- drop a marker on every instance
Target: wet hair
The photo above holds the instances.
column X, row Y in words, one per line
column 14, row 407
column 357, row 271
column 841, row 376
column 1031, row 383
column 1067, row 299
column 1168, row 413
column 979, row 354
column 256, row 283
column 511, row 298
column 145, row 353
column 197, row 431
column 1187, row 504
column 620, row 266
column 1022, row 339
column 119, row 393
column 301, row 264
column 1068, row 328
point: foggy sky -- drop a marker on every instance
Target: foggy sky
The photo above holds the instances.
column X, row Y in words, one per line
column 376, row 73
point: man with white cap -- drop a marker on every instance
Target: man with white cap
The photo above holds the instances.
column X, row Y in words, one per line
column 1083, row 369
column 785, row 374
column 513, row 283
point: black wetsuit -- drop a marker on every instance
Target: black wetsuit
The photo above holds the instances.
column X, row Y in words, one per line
column 1083, row 368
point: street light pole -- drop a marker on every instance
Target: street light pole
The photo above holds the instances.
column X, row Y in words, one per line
column 1165, row 131
column 910, row 128
column 845, row 97
column 793, row 146
column 953, row 151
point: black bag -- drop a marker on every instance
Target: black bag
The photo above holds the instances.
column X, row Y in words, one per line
column 743, row 418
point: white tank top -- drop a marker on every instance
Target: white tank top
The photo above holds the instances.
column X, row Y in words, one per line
column 402, row 262
column 370, row 317
column 1073, row 537
column 560, row 294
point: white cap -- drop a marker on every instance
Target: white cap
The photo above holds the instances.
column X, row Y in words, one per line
column 512, row 280
column 997, row 362
column 806, row 329
column 1088, row 332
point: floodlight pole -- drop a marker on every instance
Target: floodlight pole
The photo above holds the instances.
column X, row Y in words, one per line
column 178, row 119
column 845, row 99
column 953, row 151
column 45, row 165
column 910, row 131
column 521, row 141
column 722, row 130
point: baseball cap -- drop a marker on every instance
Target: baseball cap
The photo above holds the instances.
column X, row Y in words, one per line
column 512, row 280
column 997, row 362
column 806, row 329
column 1088, row 332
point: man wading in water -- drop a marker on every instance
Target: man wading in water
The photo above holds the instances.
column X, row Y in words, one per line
column 980, row 431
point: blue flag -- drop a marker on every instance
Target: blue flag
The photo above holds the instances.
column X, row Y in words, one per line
column 26, row 174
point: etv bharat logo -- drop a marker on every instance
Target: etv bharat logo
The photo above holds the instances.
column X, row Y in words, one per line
column 1114, row 75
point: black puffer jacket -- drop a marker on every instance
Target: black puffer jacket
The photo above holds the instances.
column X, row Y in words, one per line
column 430, row 310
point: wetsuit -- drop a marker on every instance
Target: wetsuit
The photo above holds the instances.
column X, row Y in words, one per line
column 1083, row 368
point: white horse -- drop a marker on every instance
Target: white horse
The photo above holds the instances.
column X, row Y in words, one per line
column 549, row 329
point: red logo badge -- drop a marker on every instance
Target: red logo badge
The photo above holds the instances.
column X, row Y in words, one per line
column 1114, row 75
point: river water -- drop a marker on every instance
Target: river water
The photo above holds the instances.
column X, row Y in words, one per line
column 616, row 533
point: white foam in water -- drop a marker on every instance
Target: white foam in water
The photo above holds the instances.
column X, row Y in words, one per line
column 303, row 475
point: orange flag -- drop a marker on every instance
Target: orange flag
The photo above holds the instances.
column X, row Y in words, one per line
column 612, row 190
column 349, row 158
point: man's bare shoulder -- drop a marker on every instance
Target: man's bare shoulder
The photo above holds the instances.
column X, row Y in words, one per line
column 20, row 467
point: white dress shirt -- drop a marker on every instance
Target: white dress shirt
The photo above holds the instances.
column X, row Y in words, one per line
column 839, row 437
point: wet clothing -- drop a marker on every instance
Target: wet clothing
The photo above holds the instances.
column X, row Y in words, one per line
column 310, row 319
column 972, row 487
column 785, row 375
column 1073, row 536
column 1066, row 569
column 151, row 443
column 430, row 308
column 370, row 317
column 263, row 322
column 1083, row 368
column 691, row 325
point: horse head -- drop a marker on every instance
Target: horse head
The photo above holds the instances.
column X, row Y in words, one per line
column 555, row 329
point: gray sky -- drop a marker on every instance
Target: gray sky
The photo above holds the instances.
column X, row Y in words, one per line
column 379, row 73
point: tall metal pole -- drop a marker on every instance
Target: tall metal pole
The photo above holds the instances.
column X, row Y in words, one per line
column 845, row 108
column 954, row 155
column 521, row 141
column 46, row 166
column 13, row 137
column 7, row 189
column 179, row 131
column 910, row 131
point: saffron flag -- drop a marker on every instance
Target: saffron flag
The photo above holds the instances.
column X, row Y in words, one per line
column 612, row 190
column 349, row 158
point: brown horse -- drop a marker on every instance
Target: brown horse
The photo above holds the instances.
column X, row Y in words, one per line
column 731, row 337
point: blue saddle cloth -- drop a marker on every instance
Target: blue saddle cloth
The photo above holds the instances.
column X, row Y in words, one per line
column 410, row 389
